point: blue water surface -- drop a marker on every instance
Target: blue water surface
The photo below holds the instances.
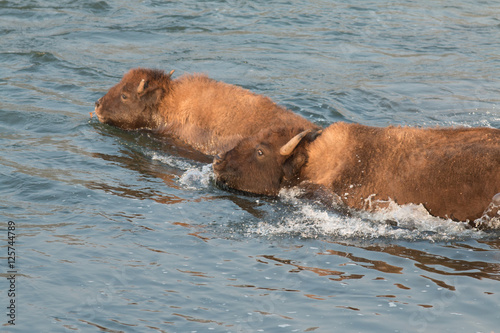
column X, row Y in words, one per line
column 119, row 232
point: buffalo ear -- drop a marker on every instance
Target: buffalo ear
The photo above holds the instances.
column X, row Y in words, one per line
column 148, row 91
column 297, row 157
column 146, row 87
column 293, row 165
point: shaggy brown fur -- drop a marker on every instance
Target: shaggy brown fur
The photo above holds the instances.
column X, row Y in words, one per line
column 210, row 116
column 453, row 172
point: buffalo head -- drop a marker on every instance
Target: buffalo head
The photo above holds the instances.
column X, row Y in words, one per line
column 133, row 102
column 265, row 163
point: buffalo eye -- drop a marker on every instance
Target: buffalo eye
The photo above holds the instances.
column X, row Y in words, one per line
column 260, row 152
column 124, row 97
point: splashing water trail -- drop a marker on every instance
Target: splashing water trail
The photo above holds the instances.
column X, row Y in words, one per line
column 194, row 178
column 171, row 160
column 407, row 222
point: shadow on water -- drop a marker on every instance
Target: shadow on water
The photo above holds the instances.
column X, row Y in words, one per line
column 431, row 265
column 148, row 155
column 141, row 140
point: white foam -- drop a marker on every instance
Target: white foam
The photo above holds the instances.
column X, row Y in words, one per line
column 173, row 161
column 197, row 178
column 195, row 175
column 408, row 222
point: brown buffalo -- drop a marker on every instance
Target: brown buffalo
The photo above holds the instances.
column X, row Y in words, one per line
column 208, row 115
column 453, row 172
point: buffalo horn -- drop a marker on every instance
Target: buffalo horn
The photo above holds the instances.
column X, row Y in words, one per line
column 140, row 88
column 288, row 148
column 171, row 72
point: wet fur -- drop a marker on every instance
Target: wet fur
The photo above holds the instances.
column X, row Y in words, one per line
column 453, row 172
column 209, row 115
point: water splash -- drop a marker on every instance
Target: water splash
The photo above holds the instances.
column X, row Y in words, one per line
column 196, row 175
column 307, row 219
column 172, row 161
column 409, row 222
column 196, row 178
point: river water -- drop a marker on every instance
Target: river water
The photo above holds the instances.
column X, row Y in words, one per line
column 119, row 232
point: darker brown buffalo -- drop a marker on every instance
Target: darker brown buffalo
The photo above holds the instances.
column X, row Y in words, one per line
column 208, row 115
column 453, row 172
